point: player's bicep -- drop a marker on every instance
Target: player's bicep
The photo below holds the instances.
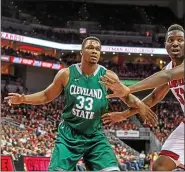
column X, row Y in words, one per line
column 112, row 75
column 56, row 87
column 177, row 72
column 52, row 91
column 130, row 100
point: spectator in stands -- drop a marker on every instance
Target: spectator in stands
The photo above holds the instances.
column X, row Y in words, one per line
column 142, row 157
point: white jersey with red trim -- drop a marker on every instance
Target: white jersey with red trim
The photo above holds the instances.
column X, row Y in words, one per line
column 174, row 145
column 177, row 88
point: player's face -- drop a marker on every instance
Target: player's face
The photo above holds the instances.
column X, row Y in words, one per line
column 91, row 51
column 175, row 44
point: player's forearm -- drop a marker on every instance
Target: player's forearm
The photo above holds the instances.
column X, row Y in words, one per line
column 151, row 100
column 36, row 98
column 131, row 101
column 131, row 111
column 153, row 81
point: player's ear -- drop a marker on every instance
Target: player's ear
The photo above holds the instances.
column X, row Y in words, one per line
column 81, row 53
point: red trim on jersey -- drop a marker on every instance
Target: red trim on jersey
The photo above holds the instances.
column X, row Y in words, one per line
column 181, row 166
column 170, row 154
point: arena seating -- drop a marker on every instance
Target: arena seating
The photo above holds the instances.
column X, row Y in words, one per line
column 26, row 128
column 31, row 130
column 5, row 50
column 120, row 21
column 137, row 70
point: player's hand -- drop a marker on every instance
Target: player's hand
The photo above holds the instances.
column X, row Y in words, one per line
column 113, row 118
column 147, row 114
column 14, row 98
column 144, row 112
column 119, row 90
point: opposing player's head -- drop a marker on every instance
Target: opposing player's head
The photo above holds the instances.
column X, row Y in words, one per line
column 91, row 47
column 175, row 41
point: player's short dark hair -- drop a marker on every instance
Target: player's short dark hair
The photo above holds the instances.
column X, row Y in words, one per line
column 175, row 27
column 90, row 38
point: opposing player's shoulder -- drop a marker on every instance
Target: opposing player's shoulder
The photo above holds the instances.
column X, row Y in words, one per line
column 112, row 74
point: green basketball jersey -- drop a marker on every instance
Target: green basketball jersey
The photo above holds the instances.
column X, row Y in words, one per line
column 85, row 100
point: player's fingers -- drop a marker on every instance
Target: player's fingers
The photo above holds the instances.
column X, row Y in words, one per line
column 13, row 94
column 144, row 117
column 106, row 118
column 152, row 116
column 111, row 96
column 10, row 98
column 106, row 114
column 106, row 124
column 155, row 122
column 105, row 79
column 111, row 80
column 6, row 98
column 152, row 121
column 9, row 102
column 111, row 124
column 105, row 83
column 106, row 121
column 102, row 83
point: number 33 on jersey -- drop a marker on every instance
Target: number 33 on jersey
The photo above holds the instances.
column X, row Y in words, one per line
column 85, row 99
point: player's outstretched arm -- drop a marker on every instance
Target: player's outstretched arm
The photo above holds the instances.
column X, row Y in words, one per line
column 159, row 78
column 45, row 96
column 137, row 107
column 151, row 100
column 130, row 100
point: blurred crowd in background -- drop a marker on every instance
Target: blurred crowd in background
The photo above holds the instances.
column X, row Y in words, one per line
column 31, row 130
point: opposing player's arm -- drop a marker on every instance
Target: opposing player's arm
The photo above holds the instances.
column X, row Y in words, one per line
column 152, row 99
column 130, row 100
column 159, row 78
column 51, row 92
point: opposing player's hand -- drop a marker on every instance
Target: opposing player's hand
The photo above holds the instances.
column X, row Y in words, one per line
column 144, row 112
column 113, row 118
column 119, row 90
column 14, row 98
column 147, row 114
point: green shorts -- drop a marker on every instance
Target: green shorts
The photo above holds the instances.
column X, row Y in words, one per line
column 70, row 146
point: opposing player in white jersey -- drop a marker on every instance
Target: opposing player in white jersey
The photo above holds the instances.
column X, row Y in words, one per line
column 172, row 153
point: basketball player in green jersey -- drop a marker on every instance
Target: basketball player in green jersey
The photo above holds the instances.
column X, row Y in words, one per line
column 80, row 133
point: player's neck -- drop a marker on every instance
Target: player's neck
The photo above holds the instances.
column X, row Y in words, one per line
column 88, row 69
column 176, row 62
